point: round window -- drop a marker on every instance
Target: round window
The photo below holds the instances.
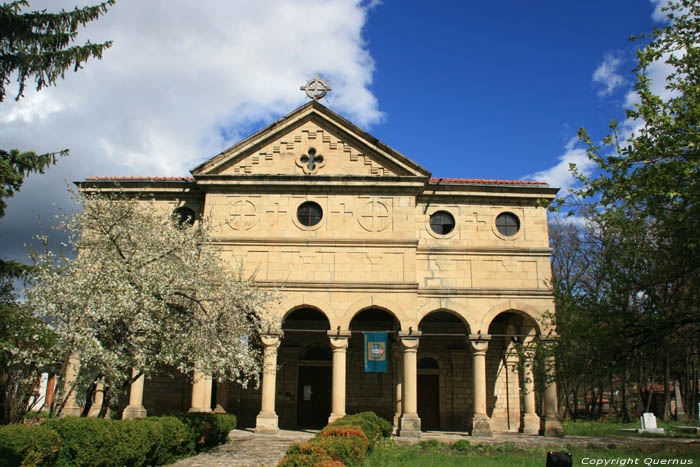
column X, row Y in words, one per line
column 442, row 222
column 309, row 213
column 183, row 216
column 508, row 224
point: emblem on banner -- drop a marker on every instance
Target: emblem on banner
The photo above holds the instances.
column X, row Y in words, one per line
column 376, row 351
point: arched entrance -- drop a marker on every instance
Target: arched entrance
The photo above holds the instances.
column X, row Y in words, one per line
column 375, row 391
column 305, row 368
column 505, row 371
column 444, row 369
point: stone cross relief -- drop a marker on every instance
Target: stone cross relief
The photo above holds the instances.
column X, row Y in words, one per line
column 312, row 160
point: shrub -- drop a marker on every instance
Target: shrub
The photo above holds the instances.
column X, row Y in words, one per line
column 307, row 460
column 86, row 441
column 346, row 441
column 462, row 445
column 174, row 440
column 28, row 445
column 372, row 425
column 207, row 429
column 350, row 450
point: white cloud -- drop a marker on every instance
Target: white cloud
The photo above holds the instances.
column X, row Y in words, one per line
column 183, row 81
column 607, row 75
column 659, row 15
column 559, row 176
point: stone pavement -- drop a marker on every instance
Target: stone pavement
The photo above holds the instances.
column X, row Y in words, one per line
column 247, row 448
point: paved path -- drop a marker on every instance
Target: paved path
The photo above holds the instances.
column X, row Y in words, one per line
column 246, row 448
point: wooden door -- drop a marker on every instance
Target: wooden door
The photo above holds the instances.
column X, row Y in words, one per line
column 429, row 401
column 314, row 396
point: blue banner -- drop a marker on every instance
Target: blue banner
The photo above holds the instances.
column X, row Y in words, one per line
column 376, row 352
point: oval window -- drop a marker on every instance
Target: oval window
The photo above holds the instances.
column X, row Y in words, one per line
column 442, row 222
column 309, row 213
column 508, row 224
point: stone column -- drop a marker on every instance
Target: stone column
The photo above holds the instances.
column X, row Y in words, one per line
column 398, row 378
column 530, row 423
column 266, row 422
column 339, row 345
column 71, row 407
column 221, row 398
column 135, row 408
column 201, row 392
column 98, row 400
column 481, row 425
column 550, row 424
column 410, row 423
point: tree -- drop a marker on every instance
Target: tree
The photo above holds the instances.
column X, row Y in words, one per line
column 38, row 45
column 646, row 192
column 25, row 352
column 148, row 293
column 35, row 45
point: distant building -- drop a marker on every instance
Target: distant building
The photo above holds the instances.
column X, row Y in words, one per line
column 363, row 239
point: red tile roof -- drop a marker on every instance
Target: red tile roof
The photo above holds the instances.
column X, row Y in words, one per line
column 477, row 180
column 432, row 180
column 141, row 178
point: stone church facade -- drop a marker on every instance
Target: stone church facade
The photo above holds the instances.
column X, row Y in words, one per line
column 360, row 238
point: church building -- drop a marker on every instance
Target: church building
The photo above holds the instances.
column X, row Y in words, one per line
column 401, row 293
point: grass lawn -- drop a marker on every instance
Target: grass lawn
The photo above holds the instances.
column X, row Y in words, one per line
column 435, row 454
column 611, row 428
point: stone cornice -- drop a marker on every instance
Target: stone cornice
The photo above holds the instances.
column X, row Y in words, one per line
column 460, row 292
column 485, row 251
column 284, row 242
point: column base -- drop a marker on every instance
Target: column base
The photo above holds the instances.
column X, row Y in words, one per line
column 551, row 426
column 409, row 426
column 200, row 410
column 335, row 416
column 266, row 423
column 133, row 412
column 530, row 424
column 481, row 427
column 219, row 409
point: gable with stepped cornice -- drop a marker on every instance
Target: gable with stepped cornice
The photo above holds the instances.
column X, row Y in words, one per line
column 337, row 147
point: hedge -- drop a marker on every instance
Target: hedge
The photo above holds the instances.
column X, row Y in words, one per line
column 28, row 445
column 73, row 441
column 346, row 441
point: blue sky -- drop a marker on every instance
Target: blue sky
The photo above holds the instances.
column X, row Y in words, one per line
column 493, row 90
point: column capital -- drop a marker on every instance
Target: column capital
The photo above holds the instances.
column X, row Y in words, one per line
column 339, row 339
column 479, row 342
column 271, row 338
column 409, row 340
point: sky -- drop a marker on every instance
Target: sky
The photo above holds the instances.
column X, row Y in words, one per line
column 490, row 90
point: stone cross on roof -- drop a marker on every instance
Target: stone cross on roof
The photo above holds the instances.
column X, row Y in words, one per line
column 315, row 88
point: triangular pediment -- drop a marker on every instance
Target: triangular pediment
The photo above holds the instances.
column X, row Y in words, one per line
column 312, row 140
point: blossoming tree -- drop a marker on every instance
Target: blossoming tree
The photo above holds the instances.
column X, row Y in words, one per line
column 146, row 291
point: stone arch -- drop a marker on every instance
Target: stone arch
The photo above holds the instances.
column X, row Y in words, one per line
column 292, row 303
column 372, row 302
column 529, row 312
column 455, row 313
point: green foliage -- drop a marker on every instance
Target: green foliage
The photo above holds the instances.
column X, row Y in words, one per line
column 28, row 446
column 174, row 438
column 15, row 165
column 346, row 441
column 37, row 44
column 207, row 429
column 372, row 425
column 25, row 343
column 149, row 441
column 462, row 445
